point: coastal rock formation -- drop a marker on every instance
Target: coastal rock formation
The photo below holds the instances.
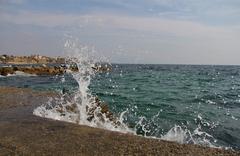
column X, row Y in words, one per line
column 42, row 65
column 104, row 110
column 4, row 71
column 104, row 113
column 39, row 70
column 33, row 59
column 44, row 69
column 38, row 59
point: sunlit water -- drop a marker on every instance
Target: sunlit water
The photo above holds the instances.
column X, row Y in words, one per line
column 183, row 103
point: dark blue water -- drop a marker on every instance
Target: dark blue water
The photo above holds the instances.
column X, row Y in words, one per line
column 204, row 100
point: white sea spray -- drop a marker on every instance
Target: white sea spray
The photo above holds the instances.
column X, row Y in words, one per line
column 58, row 108
column 86, row 111
column 20, row 73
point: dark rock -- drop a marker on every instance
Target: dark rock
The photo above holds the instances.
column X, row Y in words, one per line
column 15, row 68
column 72, row 108
column 41, row 70
column 6, row 70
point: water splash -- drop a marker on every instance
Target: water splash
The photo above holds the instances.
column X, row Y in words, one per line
column 185, row 136
column 178, row 134
column 81, row 106
column 181, row 134
column 20, row 74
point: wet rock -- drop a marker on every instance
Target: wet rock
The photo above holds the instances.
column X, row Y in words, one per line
column 41, row 70
column 97, row 109
column 102, row 68
column 72, row 108
column 15, row 68
column 6, row 70
column 73, row 68
column 52, row 71
column 104, row 111
column 104, row 108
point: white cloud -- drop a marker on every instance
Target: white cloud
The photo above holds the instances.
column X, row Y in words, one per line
column 189, row 41
column 12, row 1
column 156, row 25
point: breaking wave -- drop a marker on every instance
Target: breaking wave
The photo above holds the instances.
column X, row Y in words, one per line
column 18, row 73
column 81, row 107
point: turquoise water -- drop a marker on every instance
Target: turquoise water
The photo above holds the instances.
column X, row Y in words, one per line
column 203, row 100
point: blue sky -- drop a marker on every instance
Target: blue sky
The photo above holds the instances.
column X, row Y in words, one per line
column 126, row 31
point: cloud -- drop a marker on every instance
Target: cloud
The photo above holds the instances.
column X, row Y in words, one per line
column 50, row 20
column 150, row 31
column 155, row 25
column 12, row 2
column 220, row 12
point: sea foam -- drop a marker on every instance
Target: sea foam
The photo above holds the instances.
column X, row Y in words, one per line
column 86, row 111
column 82, row 100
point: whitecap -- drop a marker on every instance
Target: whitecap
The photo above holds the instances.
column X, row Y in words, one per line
column 84, row 110
column 20, row 73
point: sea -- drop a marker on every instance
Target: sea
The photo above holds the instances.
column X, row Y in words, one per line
column 198, row 101
column 190, row 104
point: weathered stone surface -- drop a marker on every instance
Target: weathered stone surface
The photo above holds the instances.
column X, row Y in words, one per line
column 21, row 133
column 11, row 97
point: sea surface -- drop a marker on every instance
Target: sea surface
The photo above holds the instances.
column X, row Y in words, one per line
column 197, row 104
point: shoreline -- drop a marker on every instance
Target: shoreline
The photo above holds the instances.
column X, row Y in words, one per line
column 22, row 133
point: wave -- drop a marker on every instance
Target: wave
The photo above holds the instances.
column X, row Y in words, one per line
column 180, row 135
column 19, row 73
column 81, row 107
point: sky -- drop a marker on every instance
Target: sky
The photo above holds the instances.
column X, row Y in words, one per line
column 126, row 31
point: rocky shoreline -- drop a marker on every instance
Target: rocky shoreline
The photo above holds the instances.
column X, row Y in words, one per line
column 34, row 64
column 35, row 70
column 22, row 133
column 40, row 65
column 45, row 69
column 33, row 59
